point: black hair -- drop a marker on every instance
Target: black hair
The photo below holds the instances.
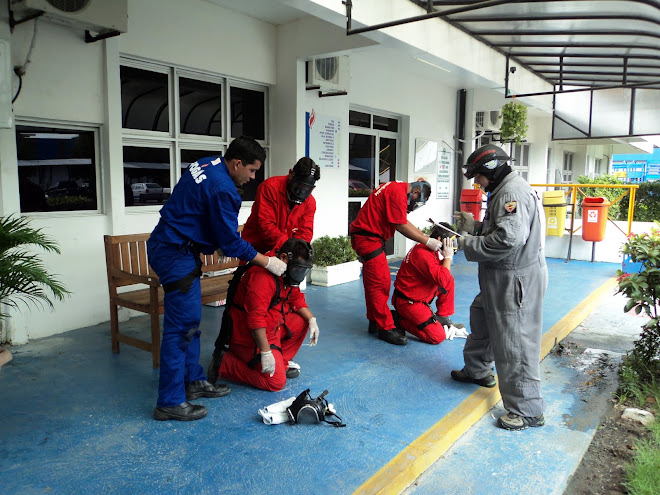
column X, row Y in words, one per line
column 440, row 232
column 245, row 149
column 306, row 167
column 301, row 250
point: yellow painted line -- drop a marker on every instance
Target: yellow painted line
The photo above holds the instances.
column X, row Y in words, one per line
column 411, row 462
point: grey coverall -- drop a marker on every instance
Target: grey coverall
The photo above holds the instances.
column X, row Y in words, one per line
column 506, row 316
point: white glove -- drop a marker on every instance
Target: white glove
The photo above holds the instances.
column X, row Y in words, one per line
column 451, row 332
column 464, row 221
column 276, row 413
column 275, row 266
column 434, row 244
column 268, row 362
column 447, row 250
column 313, row 331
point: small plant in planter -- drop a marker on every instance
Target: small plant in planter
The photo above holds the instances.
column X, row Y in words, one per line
column 514, row 122
column 335, row 261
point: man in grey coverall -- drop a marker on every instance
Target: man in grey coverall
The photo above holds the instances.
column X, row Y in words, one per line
column 506, row 316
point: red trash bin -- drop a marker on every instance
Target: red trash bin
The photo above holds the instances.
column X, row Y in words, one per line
column 594, row 218
column 471, row 201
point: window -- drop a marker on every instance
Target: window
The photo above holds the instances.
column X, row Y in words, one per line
column 598, row 163
column 520, row 161
column 57, row 168
column 172, row 116
column 567, row 171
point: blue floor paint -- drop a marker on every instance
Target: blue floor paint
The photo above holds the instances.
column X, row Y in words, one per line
column 77, row 419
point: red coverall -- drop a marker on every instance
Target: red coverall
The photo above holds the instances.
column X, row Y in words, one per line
column 251, row 311
column 420, row 279
column 376, row 222
column 272, row 221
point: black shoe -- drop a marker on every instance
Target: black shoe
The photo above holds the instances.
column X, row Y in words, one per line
column 183, row 412
column 373, row 327
column 446, row 322
column 213, row 370
column 487, row 381
column 292, row 373
column 202, row 388
column 394, row 336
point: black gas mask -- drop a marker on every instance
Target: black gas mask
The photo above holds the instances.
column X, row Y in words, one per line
column 305, row 409
column 299, row 188
column 297, row 269
column 424, row 193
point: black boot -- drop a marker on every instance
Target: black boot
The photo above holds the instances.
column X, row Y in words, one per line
column 183, row 412
column 394, row 336
column 202, row 388
column 373, row 327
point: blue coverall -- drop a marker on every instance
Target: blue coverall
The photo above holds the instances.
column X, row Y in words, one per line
column 200, row 216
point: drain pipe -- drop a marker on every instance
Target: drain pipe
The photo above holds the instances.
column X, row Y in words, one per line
column 459, row 140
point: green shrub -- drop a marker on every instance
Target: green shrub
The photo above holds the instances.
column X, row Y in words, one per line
column 643, row 292
column 514, row 122
column 647, row 202
column 333, row 250
column 643, row 475
column 617, row 211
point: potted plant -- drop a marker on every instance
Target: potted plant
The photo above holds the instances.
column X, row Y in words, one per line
column 335, row 261
column 514, row 122
column 23, row 277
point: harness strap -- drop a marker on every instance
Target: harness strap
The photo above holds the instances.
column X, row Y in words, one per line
column 183, row 284
column 426, row 323
column 401, row 295
column 371, row 255
column 257, row 356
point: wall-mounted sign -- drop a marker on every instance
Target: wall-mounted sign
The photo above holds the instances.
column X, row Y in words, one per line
column 323, row 139
column 443, row 178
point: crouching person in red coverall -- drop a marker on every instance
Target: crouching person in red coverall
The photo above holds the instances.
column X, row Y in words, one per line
column 269, row 321
column 423, row 276
column 386, row 211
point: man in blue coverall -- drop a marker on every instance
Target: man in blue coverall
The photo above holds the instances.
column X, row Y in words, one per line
column 201, row 216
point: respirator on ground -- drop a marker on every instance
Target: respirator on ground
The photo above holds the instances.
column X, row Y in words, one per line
column 305, row 409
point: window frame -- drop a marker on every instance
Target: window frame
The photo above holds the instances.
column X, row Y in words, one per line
column 66, row 125
column 177, row 141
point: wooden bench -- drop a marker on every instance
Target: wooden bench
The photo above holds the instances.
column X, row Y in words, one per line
column 127, row 265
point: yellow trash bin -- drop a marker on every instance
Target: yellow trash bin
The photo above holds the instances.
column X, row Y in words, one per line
column 554, row 205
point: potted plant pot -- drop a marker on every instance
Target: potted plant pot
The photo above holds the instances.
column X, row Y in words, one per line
column 335, row 262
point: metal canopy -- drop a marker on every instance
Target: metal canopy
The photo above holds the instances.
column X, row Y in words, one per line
column 591, row 44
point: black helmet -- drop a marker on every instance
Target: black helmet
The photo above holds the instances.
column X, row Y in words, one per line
column 487, row 161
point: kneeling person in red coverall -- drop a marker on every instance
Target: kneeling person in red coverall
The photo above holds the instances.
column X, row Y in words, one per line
column 423, row 276
column 270, row 319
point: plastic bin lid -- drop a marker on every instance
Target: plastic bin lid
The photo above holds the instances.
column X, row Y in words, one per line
column 598, row 201
column 553, row 194
column 471, row 194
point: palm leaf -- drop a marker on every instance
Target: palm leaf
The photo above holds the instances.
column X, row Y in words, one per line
column 23, row 276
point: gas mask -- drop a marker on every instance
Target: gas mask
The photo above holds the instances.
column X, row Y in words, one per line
column 306, row 410
column 297, row 269
column 299, row 188
column 424, row 193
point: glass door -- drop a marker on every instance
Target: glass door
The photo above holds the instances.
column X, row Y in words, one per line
column 372, row 160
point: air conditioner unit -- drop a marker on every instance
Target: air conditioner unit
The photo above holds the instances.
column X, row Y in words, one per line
column 329, row 74
column 98, row 16
column 488, row 121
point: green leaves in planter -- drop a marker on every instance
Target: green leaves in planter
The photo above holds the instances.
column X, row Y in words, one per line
column 514, row 122
column 330, row 251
